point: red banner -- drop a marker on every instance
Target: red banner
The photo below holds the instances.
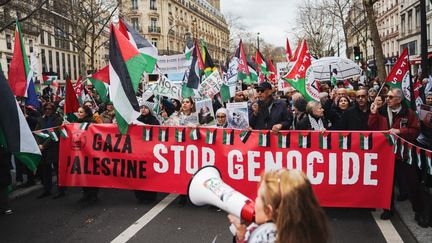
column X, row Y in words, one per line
column 346, row 169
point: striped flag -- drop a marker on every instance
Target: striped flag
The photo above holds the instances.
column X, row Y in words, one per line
column 163, row 134
column 409, row 148
column 325, row 140
column 390, row 138
column 180, row 135
column 428, row 162
column 147, row 133
column 15, row 134
column 244, row 135
column 101, row 81
column 63, row 132
column 418, row 154
column 53, row 135
column 264, row 139
column 210, row 136
column 396, row 145
column 84, row 126
column 228, row 137
column 194, row 134
column 41, row 134
column 366, row 141
column 345, row 141
column 304, row 140
column 126, row 68
column 284, row 140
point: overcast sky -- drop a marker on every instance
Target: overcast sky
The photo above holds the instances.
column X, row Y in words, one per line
column 273, row 19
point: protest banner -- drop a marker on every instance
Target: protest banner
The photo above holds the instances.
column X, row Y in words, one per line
column 167, row 88
column 346, row 169
column 211, row 85
column 205, row 113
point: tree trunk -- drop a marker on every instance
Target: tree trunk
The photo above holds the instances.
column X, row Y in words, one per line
column 379, row 56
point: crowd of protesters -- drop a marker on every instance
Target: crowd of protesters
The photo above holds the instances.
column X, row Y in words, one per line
column 372, row 106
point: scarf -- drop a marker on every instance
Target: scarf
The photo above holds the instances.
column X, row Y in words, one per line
column 317, row 126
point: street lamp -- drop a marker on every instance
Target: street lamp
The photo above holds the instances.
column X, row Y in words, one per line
column 258, row 39
column 168, row 50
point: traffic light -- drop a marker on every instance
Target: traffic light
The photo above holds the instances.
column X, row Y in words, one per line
column 357, row 53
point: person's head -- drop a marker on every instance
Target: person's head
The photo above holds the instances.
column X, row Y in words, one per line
column 425, row 81
column 297, row 96
column 372, row 93
column 84, row 112
column 325, row 88
column 188, row 106
column 340, row 84
column 255, row 106
column 379, row 100
column 323, row 96
column 48, row 109
column 286, row 198
column 362, row 98
column 314, row 108
column 109, row 106
column 343, row 103
column 204, row 109
column 429, row 98
column 145, row 110
column 264, row 90
column 89, row 104
column 176, row 104
column 300, row 105
column 394, row 98
column 239, row 96
column 221, row 116
column 341, row 92
column 290, row 91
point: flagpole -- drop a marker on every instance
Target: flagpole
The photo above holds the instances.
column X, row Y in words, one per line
column 412, row 98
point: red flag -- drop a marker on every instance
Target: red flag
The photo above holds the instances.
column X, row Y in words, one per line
column 272, row 72
column 399, row 71
column 242, row 62
column 71, row 102
column 288, row 51
column 19, row 66
column 296, row 53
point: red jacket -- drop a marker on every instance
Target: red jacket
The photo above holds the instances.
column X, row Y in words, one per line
column 406, row 121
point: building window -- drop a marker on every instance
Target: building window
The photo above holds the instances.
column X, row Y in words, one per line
column 153, row 5
column 154, row 42
column 75, row 67
column 134, row 4
column 69, row 64
column 135, row 23
column 31, row 46
column 58, row 63
column 409, row 21
column 9, row 42
column 8, row 61
column 49, row 39
column 403, row 24
column 42, row 37
column 153, row 23
column 428, row 35
column 64, row 66
column 50, row 61
column 44, row 67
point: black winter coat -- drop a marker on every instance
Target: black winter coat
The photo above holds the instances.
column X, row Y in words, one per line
column 265, row 120
column 5, row 167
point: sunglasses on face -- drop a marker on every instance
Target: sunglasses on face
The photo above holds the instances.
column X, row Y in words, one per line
column 220, row 116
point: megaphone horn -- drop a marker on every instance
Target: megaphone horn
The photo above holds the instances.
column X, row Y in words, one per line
column 207, row 188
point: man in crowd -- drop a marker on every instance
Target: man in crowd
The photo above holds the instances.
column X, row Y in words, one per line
column 356, row 117
column 272, row 114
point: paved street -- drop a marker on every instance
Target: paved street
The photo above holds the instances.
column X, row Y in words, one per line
column 65, row 220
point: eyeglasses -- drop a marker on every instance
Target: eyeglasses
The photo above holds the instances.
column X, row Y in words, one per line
column 220, row 116
column 361, row 96
column 391, row 97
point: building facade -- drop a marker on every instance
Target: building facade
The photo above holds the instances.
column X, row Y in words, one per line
column 168, row 23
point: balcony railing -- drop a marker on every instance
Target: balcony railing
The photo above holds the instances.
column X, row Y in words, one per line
column 154, row 29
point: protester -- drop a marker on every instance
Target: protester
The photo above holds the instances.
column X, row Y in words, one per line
column 185, row 116
column 338, row 112
column 372, row 93
column 108, row 115
column 221, row 118
column 205, row 116
column 379, row 101
column 299, row 112
column 286, row 211
column 49, row 148
column 356, row 117
column 5, row 179
column 90, row 194
column 315, row 118
column 94, row 108
column 272, row 114
column 401, row 121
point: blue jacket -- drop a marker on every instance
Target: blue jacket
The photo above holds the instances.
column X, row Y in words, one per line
column 270, row 115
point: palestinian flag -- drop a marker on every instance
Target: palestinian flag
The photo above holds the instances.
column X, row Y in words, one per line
column 49, row 79
column 428, row 161
column 253, row 77
column 79, row 89
column 228, row 137
column 301, row 75
column 261, row 63
column 366, row 141
column 71, row 104
column 194, row 134
column 196, row 68
column 41, row 134
column 101, row 81
column 148, row 51
column 19, row 70
column 345, row 141
column 325, row 140
column 244, row 135
column 304, row 140
column 288, row 51
column 53, row 135
column 15, row 134
column 84, row 126
column 189, row 47
column 284, row 140
column 272, row 73
column 390, row 138
column 163, row 134
column 397, row 145
column 63, row 132
column 180, row 135
column 418, row 156
column 243, row 67
column 333, row 78
column 264, row 139
column 210, row 136
column 147, row 133
column 126, row 68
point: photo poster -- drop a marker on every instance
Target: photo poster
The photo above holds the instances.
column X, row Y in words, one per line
column 425, row 115
column 205, row 113
column 238, row 116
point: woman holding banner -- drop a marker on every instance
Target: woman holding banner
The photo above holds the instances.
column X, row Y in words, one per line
column 315, row 118
column 185, row 116
column 286, row 210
